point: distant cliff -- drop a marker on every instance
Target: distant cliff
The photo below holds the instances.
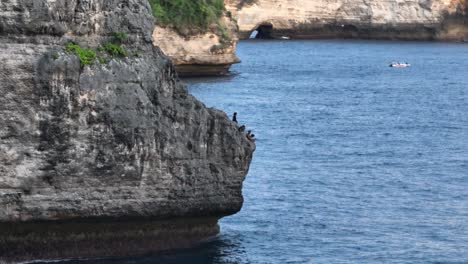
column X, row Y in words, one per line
column 389, row 19
column 200, row 37
column 102, row 150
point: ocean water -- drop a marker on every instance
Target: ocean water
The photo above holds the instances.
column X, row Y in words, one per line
column 356, row 162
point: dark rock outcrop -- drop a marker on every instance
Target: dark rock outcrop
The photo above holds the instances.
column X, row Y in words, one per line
column 111, row 159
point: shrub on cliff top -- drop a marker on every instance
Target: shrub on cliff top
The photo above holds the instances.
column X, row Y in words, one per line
column 183, row 14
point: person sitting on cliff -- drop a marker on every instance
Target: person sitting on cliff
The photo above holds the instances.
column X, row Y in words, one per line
column 234, row 118
column 242, row 129
column 250, row 136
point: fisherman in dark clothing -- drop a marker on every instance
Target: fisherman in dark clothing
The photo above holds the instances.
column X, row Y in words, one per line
column 242, row 129
column 250, row 136
column 234, row 118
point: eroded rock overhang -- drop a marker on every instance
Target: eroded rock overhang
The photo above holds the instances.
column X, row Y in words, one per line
column 210, row 52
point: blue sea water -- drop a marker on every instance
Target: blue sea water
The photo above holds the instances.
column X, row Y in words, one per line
column 356, row 162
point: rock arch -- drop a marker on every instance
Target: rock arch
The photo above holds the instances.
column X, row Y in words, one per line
column 263, row 30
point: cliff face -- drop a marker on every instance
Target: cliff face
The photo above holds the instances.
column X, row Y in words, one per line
column 394, row 19
column 200, row 54
column 103, row 159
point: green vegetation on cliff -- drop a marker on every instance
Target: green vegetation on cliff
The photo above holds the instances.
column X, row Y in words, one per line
column 104, row 53
column 183, row 14
column 86, row 56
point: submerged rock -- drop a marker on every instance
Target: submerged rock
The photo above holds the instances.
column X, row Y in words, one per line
column 406, row 20
column 114, row 158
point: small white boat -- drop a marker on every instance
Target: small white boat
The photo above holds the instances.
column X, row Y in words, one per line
column 285, row 37
column 400, row 65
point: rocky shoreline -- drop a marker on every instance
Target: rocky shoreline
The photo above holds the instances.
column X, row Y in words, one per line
column 207, row 54
column 388, row 20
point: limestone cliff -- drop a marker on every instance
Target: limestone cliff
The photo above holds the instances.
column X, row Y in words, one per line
column 379, row 19
column 108, row 156
column 208, row 53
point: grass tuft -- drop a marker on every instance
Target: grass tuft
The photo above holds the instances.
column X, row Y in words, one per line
column 120, row 37
column 114, row 49
column 86, row 56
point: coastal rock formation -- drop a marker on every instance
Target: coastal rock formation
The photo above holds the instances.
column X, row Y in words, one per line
column 202, row 53
column 394, row 19
column 108, row 156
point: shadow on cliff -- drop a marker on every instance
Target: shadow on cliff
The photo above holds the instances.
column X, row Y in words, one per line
column 208, row 79
column 216, row 251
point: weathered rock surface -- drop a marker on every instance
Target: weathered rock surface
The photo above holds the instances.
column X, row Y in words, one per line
column 379, row 19
column 200, row 54
column 105, row 160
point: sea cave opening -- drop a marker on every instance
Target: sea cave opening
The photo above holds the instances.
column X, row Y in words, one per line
column 350, row 31
column 264, row 31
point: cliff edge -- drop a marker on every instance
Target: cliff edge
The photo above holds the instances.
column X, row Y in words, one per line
column 380, row 19
column 102, row 150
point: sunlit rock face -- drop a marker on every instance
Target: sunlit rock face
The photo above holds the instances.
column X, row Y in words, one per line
column 200, row 54
column 109, row 159
column 394, row 19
